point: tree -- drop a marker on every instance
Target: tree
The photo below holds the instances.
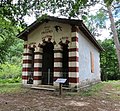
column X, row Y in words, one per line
column 96, row 22
column 16, row 11
column 10, row 46
column 9, row 28
column 117, row 23
column 115, row 34
column 15, row 51
column 6, row 37
column 109, row 62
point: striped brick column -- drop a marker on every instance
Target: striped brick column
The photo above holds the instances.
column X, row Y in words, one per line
column 57, row 63
column 74, row 60
column 37, row 77
column 26, row 64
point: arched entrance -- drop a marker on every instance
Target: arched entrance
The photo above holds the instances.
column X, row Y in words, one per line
column 47, row 63
column 65, row 63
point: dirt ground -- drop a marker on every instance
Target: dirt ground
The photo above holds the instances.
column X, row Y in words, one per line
column 39, row 100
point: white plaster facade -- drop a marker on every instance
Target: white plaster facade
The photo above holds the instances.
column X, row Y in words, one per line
column 37, row 34
column 85, row 74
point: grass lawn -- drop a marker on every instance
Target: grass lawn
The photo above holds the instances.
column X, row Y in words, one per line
column 110, row 88
column 10, row 88
column 93, row 90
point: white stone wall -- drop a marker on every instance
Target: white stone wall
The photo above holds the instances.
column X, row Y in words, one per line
column 85, row 74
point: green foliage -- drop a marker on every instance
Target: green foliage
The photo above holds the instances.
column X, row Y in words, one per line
column 109, row 62
column 15, row 51
column 109, row 2
column 10, row 73
column 11, row 80
column 14, row 11
column 11, row 49
column 96, row 22
column 17, row 10
column 9, row 27
column 7, row 34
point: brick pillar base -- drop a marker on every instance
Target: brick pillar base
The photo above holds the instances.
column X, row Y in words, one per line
column 37, row 77
column 74, row 61
column 26, row 65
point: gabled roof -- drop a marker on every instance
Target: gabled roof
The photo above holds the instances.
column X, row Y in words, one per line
column 23, row 35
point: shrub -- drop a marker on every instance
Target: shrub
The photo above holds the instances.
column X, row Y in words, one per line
column 10, row 73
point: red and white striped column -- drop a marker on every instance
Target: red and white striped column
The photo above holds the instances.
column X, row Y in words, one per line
column 26, row 64
column 37, row 77
column 74, row 60
column 57, row 63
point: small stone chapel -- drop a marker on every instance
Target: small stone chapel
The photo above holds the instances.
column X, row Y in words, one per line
column 60, row 48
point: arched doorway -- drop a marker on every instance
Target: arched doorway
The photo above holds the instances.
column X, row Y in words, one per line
column 65, row 64
column 47, row 63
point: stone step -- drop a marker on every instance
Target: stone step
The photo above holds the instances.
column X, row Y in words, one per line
column 43, row 88
column 49, row 87
column 46, row 86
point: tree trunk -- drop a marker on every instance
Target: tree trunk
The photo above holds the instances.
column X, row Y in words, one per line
column 115, row 35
